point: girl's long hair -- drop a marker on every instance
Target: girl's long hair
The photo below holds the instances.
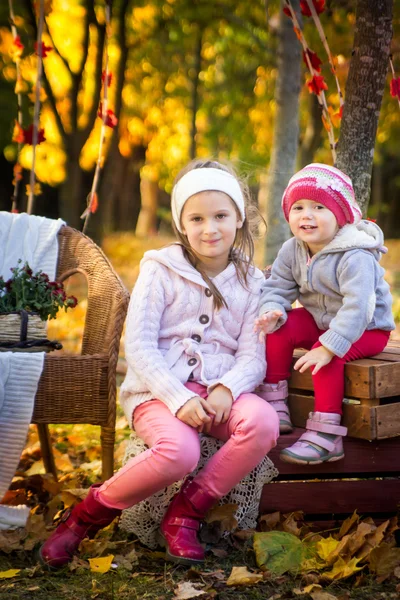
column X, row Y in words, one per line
column 242, row 251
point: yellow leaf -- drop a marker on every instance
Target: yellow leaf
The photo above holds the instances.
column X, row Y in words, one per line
column 8, row 574
column 242, row 576
column 311, row 588
column 326, row 546
column 102, row 564
column 342, row 569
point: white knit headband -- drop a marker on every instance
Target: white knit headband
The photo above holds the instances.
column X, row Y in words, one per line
column 204, row 180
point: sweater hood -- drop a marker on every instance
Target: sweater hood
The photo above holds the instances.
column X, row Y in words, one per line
column 173, row 258
column 365, row 235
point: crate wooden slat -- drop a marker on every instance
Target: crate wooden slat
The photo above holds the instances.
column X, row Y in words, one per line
column 340, row 487
column 361, row 457
column 375, row 377
column 332, row 497
column 362, row 420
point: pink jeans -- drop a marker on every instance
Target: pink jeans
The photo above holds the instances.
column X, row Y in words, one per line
column 301, row 331
column 174, row 450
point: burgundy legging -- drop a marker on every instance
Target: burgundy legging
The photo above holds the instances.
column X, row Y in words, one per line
column 301, row 331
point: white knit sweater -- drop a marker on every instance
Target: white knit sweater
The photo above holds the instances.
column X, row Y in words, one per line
column 173, row 331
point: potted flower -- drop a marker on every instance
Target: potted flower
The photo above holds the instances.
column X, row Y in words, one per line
column 31, row 297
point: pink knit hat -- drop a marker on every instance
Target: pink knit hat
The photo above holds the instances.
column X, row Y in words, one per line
column 326, row 185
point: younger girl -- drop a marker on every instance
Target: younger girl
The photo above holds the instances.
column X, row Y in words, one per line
column 331, row 266
column 193, row 361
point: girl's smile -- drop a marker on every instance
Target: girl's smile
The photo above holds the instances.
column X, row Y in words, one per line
column 313, row 224
column 210, row 221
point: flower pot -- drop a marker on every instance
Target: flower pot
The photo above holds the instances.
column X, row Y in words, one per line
column 21, row 326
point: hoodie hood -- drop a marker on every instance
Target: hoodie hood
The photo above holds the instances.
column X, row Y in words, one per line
column 173, row 258
column 365, row 235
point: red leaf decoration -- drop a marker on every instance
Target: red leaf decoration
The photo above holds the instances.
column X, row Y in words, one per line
column 286, row 11
column 94, row 203
column 316, row 84
column 109, row 78
column 315, row 60
column 17, row 42
column 110, row 120
column 395, row 87
column 319, row 6
column 45, row 49
column 28, row 135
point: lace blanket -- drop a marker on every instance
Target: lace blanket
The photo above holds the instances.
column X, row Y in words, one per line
column 144, row 518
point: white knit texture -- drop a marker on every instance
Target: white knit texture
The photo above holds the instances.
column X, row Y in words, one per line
column 169, row 305
column 19, row 377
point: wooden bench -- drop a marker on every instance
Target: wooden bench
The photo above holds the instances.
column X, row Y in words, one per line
column 368, row 479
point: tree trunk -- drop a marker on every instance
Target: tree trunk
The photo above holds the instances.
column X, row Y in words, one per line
column 195, row 91
column 364, row 89
column 286, row 134
column 146, row 224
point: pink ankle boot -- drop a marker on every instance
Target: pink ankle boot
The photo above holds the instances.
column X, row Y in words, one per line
column 322, row 441
column 84, row 520
column 181, row 523
column 276, row 394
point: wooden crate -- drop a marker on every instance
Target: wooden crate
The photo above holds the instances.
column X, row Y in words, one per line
column 371, row 409
column 366, row 480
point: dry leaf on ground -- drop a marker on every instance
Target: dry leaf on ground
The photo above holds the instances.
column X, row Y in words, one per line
column 187, row 590
column 242, row 576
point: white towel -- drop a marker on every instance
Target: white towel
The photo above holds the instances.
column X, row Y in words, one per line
column 34, row 240
column 30, row 238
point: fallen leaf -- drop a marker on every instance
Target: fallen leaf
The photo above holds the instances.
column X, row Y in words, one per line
column 348, row 524
column 384, row 559
column 8, row 574
column 290, row 525
column 278, row 551
column 242, row 576
column 342, row 569
column 101, row 564
column 321, row 595
column 269, row 521
column 311, row 588
column 244, row 534
column 187, row 590
column 225, row 514
column 219, row 552
column 326, row 547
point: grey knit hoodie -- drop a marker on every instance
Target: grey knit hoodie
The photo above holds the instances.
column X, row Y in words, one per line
column 342, row 287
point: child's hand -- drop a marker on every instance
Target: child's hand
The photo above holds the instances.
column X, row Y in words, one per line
column 319, row 357
column 197, row 413
column 220, row 400
column 267, row 322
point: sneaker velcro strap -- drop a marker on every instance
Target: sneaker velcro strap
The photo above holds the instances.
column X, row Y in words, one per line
column 271, row 395
column 326, row 427
column 319, row 440
column 184, row 522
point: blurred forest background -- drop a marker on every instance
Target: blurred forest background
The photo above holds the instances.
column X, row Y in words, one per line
column 188, row 78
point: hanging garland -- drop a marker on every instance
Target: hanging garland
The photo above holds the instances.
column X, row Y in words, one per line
column 108, row 120
column 394, row 83
column 33, row 135
column 317, row 84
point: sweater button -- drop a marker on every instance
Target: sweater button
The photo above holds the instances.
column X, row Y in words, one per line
column 204, row 319
column 196, row 337
column 192, row 362
column 208, row 292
